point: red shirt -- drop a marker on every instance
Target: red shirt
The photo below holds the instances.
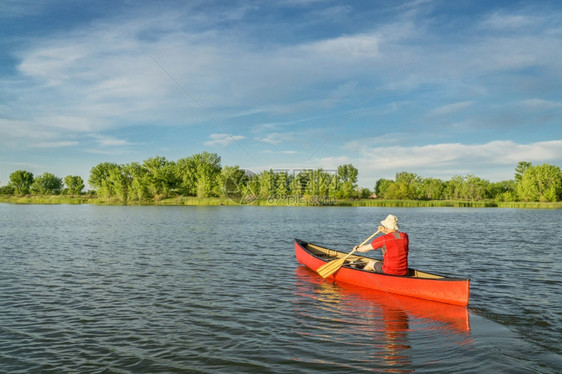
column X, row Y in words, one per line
column 395, row 249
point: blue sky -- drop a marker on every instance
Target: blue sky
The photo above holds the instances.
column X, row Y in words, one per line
column 437, row 88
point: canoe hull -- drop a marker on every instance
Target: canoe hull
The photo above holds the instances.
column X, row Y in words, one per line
column 443, row 289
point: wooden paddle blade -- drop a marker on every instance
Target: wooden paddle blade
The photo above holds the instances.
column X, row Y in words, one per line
column 331, row 267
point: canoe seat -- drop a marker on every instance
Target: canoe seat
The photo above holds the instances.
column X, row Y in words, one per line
column 356, row 264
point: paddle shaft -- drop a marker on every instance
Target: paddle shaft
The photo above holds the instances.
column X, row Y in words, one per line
column 369, row 238
column 366, row 240
column 331, row 267
column 349, row 254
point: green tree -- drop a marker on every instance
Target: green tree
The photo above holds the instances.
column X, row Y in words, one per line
column 300, row 182
column 520, row 170
column 47, row 184
column 231, row 182
column 296, row 185
column 99, row 179
column 397, row 191
column 406, row 187
column 7, row 190
column 199, row 174
column 504, row 190
column 207, row 169
column 318, row 183
column 346, row 181
column 282, row 189
column 120, row 180
column 187, row 176
column 475, row 188
column 75, row 184
column 541, row 183
column 138, row 189
column 251, row 190
column 21, row 181
column 454, row 187
column 364, row 193
column 382, row 186
column 267, row 179
column 162, row 176
column 432, row 189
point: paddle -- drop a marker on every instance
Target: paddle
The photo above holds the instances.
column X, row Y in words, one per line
column 331, row 267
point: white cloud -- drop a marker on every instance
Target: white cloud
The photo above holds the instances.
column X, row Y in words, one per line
column 451, row 108
column 281, row 152
column 58, row 144
column 541, row 104
column 275, row 138
column 109, row 141
column 70, row 123
column 14, row 130
column 508, row 21
column 223, row 139
column 22, row 134
column 350, row 47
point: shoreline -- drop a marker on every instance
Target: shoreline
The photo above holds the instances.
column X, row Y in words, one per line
column 194, row 201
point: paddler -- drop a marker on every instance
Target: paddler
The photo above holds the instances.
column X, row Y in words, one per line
column 394, row 247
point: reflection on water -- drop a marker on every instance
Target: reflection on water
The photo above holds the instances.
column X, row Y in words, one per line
column 380, row 328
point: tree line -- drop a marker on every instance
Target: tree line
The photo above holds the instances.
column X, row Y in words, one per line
column 199, row 175
column 531, row 183
column 202, row 175
column 23, row 182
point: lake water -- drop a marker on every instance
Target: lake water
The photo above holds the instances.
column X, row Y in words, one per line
column 106, row 289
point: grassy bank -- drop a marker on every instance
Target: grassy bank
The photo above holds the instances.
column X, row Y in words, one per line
column 46, row 199
column 452, row 204
column 215, row 201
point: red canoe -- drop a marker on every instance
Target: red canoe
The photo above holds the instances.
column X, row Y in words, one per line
column 417, row 283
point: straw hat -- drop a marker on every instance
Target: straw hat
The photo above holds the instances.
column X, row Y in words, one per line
column 391, row 222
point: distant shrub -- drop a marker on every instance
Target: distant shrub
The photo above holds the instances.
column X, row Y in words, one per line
column 7, row 190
